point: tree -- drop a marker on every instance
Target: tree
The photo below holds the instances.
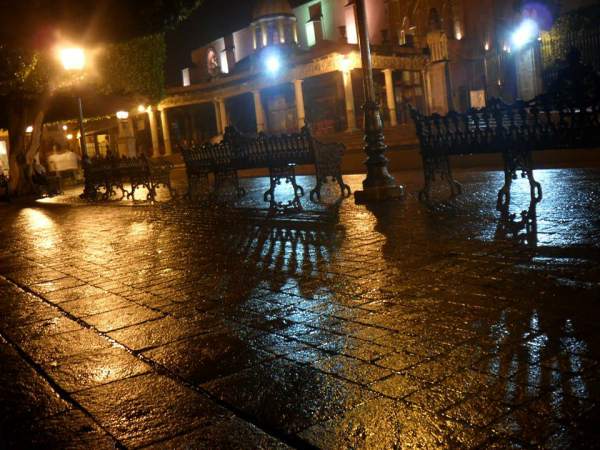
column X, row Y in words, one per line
column 132, row 61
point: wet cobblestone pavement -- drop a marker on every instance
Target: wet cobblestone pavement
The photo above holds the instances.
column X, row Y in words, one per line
column 397, row 326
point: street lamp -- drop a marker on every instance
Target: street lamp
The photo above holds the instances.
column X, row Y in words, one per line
column 379, row 184
column 73, row 60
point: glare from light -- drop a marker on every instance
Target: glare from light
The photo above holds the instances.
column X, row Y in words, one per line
column 69, row 136
column 141, row 109
column 273, row 64
column 72, row 58
column 458, row 36
column 29, row 129
column 525, row 33
column 122, row 115
column 486, row 46
column 64, row 127
column 345, row 64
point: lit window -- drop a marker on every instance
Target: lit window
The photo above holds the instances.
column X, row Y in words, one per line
column 224, row 62
column 351, row 36
column 185, row 73
column 310, row 34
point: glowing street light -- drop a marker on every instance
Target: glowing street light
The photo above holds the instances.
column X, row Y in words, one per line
column 526, row 32
column 72, row 58
column 29, row 129
column 273, row 64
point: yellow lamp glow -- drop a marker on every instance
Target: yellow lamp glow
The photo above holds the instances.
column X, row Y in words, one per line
column 141, row 109
column 29, row 129
column 72, row 58
column 64, row 127
column 69, row 136
column 345, row 63
column 122, row 115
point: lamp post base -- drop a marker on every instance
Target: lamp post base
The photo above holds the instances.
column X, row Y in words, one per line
column 378, row 194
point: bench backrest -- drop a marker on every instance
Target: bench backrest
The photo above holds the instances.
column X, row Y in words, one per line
column 238, row 151
column 542, row 123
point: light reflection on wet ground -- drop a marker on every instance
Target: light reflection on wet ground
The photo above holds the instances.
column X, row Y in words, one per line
column 397, row 325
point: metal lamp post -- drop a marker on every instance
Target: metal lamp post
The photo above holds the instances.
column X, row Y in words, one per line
column 379, row 184
column 73, row 60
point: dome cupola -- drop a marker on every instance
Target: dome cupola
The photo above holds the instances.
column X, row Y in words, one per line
column 271, row 8
column 273, row 23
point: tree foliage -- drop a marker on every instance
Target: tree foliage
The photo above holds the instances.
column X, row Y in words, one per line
column 132, row 62
column 134, row 67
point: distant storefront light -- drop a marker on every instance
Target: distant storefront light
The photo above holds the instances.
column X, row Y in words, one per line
column 122, row 115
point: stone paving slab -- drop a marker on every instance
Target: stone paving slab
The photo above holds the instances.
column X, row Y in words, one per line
column 394, row 326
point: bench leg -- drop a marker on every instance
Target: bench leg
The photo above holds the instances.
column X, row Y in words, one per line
column 316, row 191
column 276, row 174
column 535, row 188
column 344, row 188
column 428, row 175
column 455, row 186
column 504, row 192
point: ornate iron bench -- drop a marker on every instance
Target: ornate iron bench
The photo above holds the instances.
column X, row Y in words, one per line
column 280, row 154
column 104, row 176
column 567, row 117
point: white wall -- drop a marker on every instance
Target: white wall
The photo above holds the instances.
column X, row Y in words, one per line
column 336, row 14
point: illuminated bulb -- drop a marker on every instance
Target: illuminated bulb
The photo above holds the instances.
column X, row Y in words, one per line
column 345, row 64
column 458, row 36
column 69, row 137
column 64, row 127
column 273, row 64
column 122, row 115
column 72, row 58
column 141, row 109
column 29, row 129
column 525, row 33
column 486, row 46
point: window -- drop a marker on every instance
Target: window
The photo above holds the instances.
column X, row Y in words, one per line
column 314, row 28
column 224, row 62
column 314, row 12
column 185, row 74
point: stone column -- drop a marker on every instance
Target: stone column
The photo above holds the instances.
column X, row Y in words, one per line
column 260, row 115
column 349, row 95
column 166, row 132
column 154, row 132
column 223, row 114
column 220, row 128
column 300, row 104
column 391, row 96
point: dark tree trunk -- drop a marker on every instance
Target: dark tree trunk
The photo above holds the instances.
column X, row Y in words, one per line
column 23, row 147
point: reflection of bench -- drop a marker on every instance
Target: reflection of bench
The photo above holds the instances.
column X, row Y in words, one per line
column 103, row 176
column 4, row 192
column 280, row 154
column 568, row 117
